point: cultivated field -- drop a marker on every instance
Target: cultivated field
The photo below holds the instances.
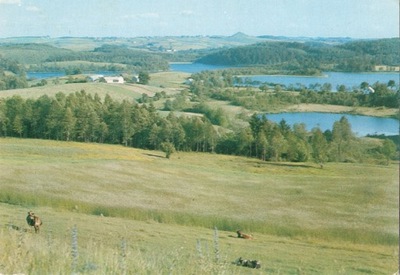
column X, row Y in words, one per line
column 109, row 209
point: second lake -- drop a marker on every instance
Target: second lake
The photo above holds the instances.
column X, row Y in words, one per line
column 360, row 125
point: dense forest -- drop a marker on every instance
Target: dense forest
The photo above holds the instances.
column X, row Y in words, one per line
column 310, row 57
column 86, row 118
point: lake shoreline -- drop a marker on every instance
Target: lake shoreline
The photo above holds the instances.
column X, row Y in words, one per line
column 337, row 109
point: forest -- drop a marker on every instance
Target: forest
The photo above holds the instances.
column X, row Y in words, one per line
column 310, row 57
column 82, row 117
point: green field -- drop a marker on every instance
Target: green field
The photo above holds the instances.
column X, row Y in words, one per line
column 136, row 212
column 118, row 91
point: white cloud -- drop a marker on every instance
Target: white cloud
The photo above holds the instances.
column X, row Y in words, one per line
column 11, row 2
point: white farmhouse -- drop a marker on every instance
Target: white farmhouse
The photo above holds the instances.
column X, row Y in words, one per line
column 114, row 79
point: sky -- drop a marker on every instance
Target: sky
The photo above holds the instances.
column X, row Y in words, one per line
column 133, row 18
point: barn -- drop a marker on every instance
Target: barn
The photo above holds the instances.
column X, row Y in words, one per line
column 114, row 79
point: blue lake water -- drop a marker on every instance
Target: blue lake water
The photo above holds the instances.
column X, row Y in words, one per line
column 194, row 67
column 44, row 75
column 361, row 125
column 350, row 80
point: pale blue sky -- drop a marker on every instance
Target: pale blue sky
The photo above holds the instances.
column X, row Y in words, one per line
column 131, row 18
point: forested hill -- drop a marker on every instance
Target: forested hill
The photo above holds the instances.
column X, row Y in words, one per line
column 354, row 56
column 44, row 57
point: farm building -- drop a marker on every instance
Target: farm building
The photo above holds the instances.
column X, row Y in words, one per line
column 384, row 68
column 114, row 79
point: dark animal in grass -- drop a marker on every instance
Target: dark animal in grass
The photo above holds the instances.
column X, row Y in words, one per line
column 244, row 235
column 248, row 263
column 34, row 221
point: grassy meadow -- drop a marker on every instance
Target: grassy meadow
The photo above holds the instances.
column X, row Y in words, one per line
column 170, row 83
column 108, row 209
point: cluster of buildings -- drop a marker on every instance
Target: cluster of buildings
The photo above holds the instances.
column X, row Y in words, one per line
column 386, row 68
column 111, row 79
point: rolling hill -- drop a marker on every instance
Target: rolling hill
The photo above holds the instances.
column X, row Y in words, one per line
column 351, row 56
column 124, row 201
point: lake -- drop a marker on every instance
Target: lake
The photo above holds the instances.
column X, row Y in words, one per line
column 192, row 68
column 43, row 75
column 334, row 78
column 350, row 80
column 361, row 125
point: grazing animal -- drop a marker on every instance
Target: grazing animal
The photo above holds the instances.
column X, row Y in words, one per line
column 243, row 235
column 248, row 263
column 34, row 221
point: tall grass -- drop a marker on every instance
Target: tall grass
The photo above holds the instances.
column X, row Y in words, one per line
column 75, row 243
column 367, row 236
column 34, row 256
column 130, row 204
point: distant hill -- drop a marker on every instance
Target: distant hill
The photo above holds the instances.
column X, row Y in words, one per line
column 154, row 53
column 163, row 43
column 328, row 40
column 351, row 56
column 31, row 53
column 44, row 57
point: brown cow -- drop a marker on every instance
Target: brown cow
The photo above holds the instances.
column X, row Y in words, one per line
column 34, row 221
column 243, row 235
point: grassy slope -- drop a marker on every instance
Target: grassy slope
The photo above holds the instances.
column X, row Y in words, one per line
column 169, row 82
column 117, row 91
column 348, row 213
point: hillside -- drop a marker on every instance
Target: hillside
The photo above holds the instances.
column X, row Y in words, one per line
column 31, row 53
column 45, row 57
column 161, row 206
column 173, row 48
column 162, row 43
column 299, row 55
column 351, row 56
column 171, row 83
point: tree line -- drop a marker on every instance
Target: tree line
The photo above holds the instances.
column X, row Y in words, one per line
column 43, row 57
column 223, row 85
column 82, row 117
column 308, row 57
column 12, row 75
